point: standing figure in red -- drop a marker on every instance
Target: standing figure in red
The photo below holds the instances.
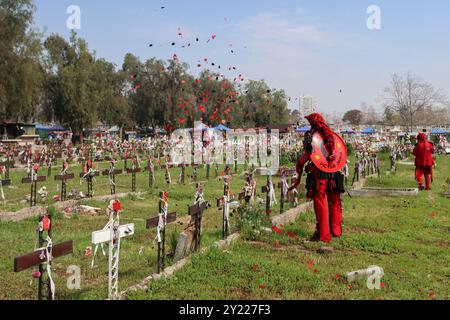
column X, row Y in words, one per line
column 424, row 161
column 323, row 188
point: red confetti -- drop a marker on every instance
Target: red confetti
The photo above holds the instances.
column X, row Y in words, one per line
column 310, row 264
column 382, row 284
column 337, row 276
column 261, row 286
column 276, row 230
column 290, row 234
column 432, row 295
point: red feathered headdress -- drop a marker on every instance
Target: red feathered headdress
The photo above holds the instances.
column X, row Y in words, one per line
column 319, row 125
column 422, row 137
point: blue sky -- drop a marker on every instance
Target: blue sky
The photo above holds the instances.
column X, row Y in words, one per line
column 304, row 47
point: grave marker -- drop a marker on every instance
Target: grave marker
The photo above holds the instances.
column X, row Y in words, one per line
column 270, row 194
column 33, row 180
column 43, row 257
column 151, row 173
column 160, row 222
column 196, row 212
column 63, row 177
column 111, row 173
column 113, row 233
column 133, row 172
column 226, row 203
column 89, row 175
column 182, row 176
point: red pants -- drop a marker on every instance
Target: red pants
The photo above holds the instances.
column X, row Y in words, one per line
column 424, row 171
column 328, row 209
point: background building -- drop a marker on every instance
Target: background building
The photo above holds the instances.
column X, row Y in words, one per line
column 308, row 105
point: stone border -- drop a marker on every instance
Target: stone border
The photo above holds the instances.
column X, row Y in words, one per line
column 380, row 192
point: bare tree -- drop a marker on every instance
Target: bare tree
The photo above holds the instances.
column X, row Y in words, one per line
column 409, row 96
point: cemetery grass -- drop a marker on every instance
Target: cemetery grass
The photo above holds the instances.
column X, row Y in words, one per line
column 408, row 237
column 138, row 253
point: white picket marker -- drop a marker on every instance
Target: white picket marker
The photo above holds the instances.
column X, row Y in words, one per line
column 113, row 233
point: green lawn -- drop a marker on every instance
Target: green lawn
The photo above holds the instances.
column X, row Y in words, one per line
column 408, row 237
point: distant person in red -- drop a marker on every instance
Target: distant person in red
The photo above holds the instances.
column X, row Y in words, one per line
column 424, row 161
column 324, row 189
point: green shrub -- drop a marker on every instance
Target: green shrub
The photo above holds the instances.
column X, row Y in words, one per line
column 249, row 221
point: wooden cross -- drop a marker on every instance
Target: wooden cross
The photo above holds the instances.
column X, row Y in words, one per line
column 133, row 172
column 182, row 177
column 33, row 180
column 194, row 173
column 113, row 233
column 283, row 188
column 50, row 160
column 89, row 176
column 226, row 202
column 63, row 178
column 151, row 173
column 356, row 175
column 167, row 168
column 111, row 173
column 125, row 162
column 267, row 189
column 208, row 169
column 196, row 212
column 216, row 170
column 160, row 222
column 44, row 257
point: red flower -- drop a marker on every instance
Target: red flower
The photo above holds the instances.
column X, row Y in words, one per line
column 46, row 223
column 117, row 206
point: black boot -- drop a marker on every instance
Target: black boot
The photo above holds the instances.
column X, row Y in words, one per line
column 316, row 235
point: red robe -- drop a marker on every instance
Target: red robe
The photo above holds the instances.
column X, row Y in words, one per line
column 424, row 160
column 327, row 201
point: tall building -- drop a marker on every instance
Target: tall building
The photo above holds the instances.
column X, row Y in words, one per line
column 308, row 105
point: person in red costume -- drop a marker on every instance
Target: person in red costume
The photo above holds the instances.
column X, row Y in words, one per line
column 324, row 189
column 424, row 161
